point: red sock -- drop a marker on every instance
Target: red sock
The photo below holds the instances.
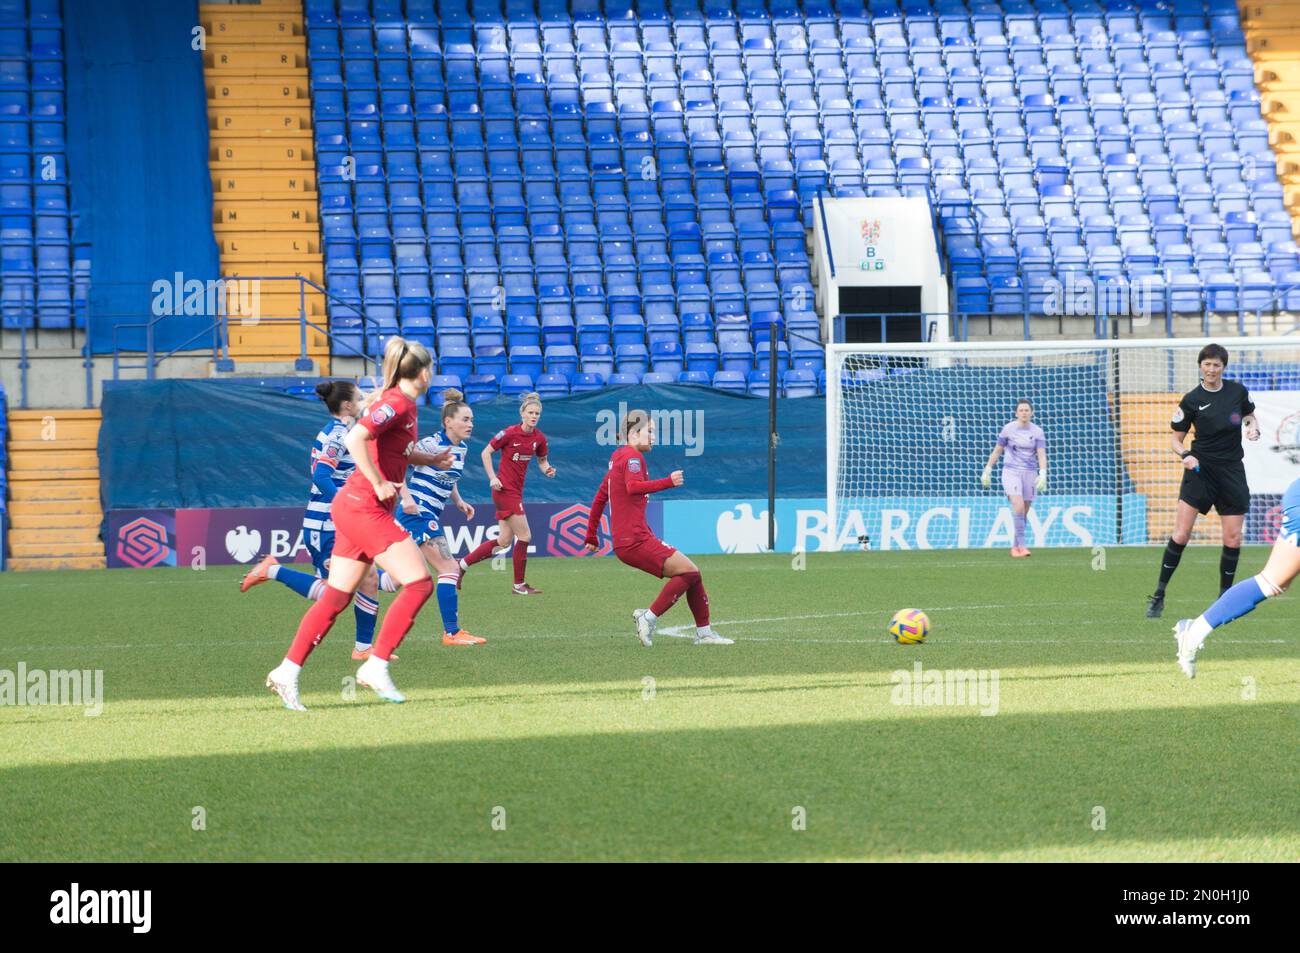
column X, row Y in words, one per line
column 401, row 616
column 317, row 622
column 481, row 552
column 521, row 557
column 669, row 594
column 698, row 600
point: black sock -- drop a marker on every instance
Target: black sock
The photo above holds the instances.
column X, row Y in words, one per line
column 1168, row 563
column 1228, row 567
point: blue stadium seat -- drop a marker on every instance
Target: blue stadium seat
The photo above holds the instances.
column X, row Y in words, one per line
column 512, row 385
column 480, row 387
column 552, row 385
column 730, row 381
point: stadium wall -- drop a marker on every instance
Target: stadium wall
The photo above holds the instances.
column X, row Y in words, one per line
column 211, row 472
column 180, row 444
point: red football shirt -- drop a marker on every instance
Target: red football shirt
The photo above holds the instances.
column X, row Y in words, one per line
column 626, row 488
column 517, row 449
column 393, row 420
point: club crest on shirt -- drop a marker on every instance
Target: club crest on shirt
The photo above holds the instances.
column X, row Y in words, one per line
column 634, row 465
column 1178, row 416
column 331, row 451
column 1235, row 419
column 381, row 413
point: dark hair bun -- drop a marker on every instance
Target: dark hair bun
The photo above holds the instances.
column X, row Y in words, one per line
column 323, row 389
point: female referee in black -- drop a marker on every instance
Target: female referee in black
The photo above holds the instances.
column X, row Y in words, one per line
column 1213, row 474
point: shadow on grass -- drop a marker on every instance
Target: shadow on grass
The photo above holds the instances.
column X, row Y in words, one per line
column 891, row 789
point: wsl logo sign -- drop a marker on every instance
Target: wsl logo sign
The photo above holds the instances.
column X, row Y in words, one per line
column 568, row 535
column 143, row 543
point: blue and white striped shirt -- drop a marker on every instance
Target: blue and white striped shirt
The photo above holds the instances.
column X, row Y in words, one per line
column 430, row 487
column 329, row 450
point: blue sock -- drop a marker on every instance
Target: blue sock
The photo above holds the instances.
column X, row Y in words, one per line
column 299, row 582
column 365, row 609
column 447, row 605
column 1235, row 603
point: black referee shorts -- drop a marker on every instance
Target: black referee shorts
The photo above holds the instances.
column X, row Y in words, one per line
column 1223, row 488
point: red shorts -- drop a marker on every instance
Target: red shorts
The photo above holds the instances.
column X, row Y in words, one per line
column 508, row 504
column 363, row 528
column 647, row 556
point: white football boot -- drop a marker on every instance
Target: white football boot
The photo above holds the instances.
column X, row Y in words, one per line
column 287, row 689
column 709, row 637
column 645, row 626
column 373, row 674
column 1188, row 646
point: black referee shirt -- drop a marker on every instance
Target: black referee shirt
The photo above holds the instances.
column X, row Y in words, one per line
column 1217, row 416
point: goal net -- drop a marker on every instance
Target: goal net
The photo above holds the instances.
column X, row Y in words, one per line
column 910, row 428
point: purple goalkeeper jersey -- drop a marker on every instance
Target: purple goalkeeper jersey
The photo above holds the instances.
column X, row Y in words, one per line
column 1021, row 445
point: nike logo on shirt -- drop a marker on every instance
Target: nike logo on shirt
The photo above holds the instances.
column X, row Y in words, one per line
column 1202, row 406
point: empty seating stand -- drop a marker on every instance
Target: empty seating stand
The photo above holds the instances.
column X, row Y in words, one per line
column 545, row 191
column 561, row 175
column 36, row 274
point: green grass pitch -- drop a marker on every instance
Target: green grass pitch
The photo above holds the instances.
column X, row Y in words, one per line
column 564, row 739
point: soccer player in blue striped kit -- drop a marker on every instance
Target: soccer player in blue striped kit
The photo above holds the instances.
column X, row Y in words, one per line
column 331, row 465
column 1282, row 567
column 427, row 491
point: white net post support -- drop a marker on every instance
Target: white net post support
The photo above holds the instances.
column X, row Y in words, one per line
column 910, row 428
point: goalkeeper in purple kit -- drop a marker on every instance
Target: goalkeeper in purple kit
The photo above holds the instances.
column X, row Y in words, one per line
column 1024, row 472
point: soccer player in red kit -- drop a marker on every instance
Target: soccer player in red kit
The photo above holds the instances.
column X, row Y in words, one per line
column 626, row 489
column 518, row 445
column 381, row 443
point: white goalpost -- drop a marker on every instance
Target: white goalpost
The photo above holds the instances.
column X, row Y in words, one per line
column 909, row 428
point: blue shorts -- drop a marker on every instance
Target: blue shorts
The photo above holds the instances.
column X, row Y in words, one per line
column 320, row 544
column 1290, row 530
column 421, row 528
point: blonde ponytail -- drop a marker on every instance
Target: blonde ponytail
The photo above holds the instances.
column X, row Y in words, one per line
column 403, row 360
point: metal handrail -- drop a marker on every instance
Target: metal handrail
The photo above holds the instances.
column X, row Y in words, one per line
column 826, row 232
column 219, row 327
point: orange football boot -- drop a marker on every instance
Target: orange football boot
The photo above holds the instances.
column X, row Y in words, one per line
column 461, row 638
column 258, row 574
